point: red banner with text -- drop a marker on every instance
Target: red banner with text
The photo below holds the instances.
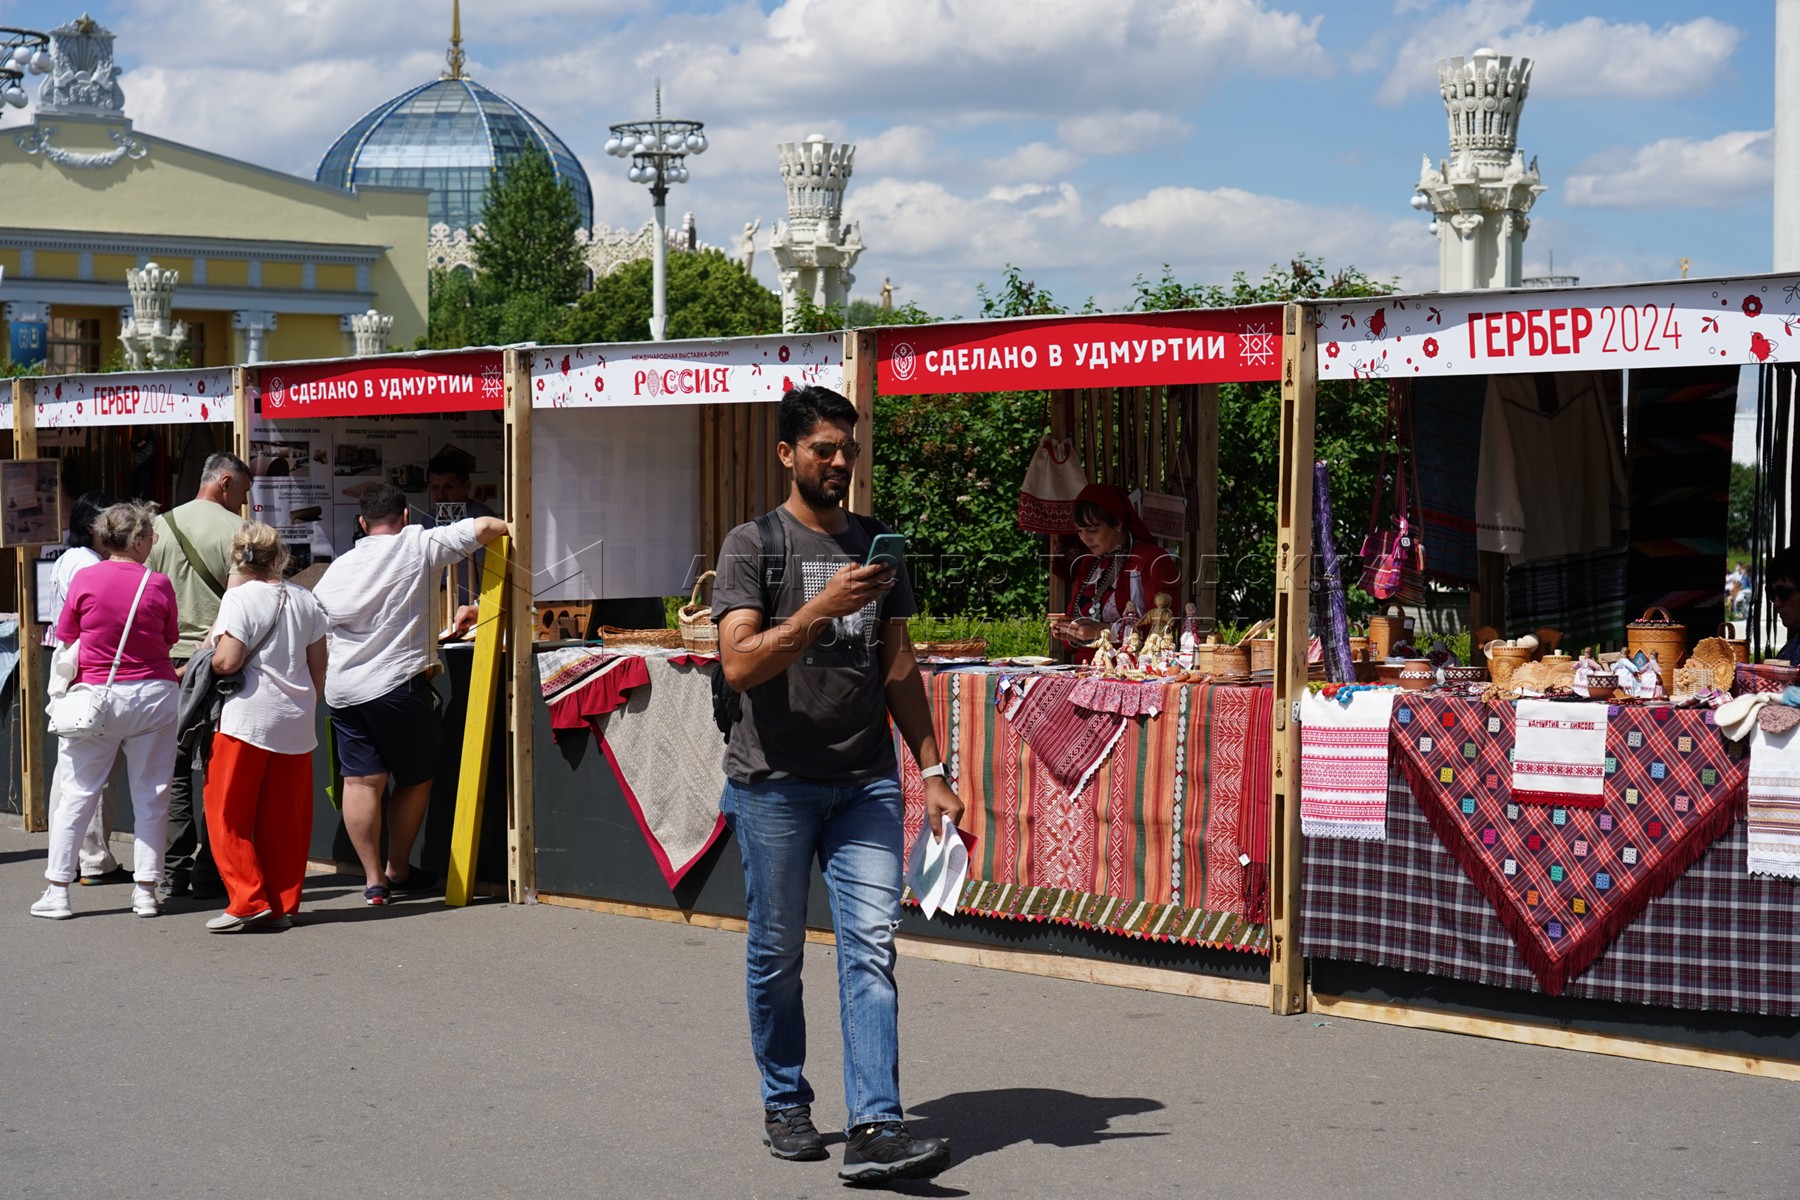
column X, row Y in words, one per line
column 1228, row 345
column 469, row 381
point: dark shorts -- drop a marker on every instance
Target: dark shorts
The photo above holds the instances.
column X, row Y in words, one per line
column 398, row 734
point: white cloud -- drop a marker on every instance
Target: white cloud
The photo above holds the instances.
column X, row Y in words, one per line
column 1677, row 173
column 1220, row 230
column 1120, row 132
column 1586, row 57
column 1035, row 162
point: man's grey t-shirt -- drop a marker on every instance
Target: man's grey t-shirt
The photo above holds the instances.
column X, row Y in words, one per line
column 825, row 717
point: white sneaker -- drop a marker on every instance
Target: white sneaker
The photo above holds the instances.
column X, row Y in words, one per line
column 54, row 904
column 227, row 922
column 143, row 901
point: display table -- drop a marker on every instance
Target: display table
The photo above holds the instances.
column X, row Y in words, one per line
column 1712, row 938
column 1158, row 834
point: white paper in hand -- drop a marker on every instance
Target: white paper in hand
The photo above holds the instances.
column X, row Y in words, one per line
column 936, row 869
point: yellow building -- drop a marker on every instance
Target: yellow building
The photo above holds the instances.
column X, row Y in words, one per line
column 271, row 265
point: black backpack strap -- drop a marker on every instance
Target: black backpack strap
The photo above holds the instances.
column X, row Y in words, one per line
column 774, row 561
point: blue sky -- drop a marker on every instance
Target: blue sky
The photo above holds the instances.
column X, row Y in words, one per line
column 1086, row 141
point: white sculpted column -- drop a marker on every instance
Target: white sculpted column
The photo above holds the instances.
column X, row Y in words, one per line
column 1485, row 176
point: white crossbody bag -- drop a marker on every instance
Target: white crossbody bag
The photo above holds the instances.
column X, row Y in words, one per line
column 80, row 712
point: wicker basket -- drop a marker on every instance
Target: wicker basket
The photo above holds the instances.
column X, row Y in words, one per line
column 1504, row 660
column 1657, row 631
column 1261, row 647
column 1387, row 631
column 1231, row 662
column 970, row 648
column 1740, row 649
column 661, row 639
column 698, row 633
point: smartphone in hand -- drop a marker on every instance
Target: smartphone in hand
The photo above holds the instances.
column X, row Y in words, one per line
column 887, row 550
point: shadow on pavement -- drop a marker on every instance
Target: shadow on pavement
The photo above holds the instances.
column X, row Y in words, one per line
column 13, row 856
column 980, row 1123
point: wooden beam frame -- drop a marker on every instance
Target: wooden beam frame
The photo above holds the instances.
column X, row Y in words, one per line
column 486, row 704
column 1293, row 567
column 859, row 381
column 1556, row 1037
column 1205, row 475
column 36, row 751
column 521, row 678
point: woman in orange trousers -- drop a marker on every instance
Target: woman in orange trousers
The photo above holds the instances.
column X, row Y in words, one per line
column 259, row 791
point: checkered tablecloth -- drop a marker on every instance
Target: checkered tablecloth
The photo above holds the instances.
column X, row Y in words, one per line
column 1716, row 940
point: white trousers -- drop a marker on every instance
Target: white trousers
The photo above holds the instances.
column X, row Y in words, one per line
column 140, row 721
column 96, row 841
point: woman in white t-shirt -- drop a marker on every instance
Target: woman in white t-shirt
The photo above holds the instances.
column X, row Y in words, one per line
column 259, row 792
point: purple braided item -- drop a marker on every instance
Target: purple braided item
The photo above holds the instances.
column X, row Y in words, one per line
column 1328, row 586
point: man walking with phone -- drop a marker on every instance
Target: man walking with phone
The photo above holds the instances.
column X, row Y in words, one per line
column 814, row 637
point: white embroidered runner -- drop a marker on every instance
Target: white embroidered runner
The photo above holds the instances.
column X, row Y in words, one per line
column 1774, row 804
column 1559, row 753
column 1344, row 766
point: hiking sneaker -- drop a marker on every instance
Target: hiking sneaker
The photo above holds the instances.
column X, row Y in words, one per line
column 54, row 904
column 230, row 922
column 418, row 879
column 789, row 1134
column 883, row 1151
column 375, row 894
column 143, row 901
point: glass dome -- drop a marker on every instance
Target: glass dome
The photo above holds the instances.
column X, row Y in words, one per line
column 447, row 135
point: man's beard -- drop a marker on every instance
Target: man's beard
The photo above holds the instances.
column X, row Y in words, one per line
column 820, row 491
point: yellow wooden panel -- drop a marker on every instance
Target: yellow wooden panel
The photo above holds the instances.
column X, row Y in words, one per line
column 334, row 277
column 305, row 335
column 56, row 264
column 282, row 275
column 10, row 260
column 227, row 272
column 478, row 729
column 111, row 268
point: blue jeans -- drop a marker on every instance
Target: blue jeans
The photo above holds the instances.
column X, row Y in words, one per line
column 854, row 831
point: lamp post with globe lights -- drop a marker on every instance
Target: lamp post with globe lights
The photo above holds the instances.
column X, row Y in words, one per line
column 21, row 50
column 658, row 150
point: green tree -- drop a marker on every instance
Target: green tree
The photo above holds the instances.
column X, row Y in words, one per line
column 709, row 295
column 948, row 470
column 526, row 241
column 1741, row 521
column 460, row 312
column 1348, row 431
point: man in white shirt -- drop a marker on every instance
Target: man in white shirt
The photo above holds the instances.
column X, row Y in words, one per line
column 384, row 717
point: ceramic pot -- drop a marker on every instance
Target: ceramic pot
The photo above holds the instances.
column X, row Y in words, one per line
column 1417, row 674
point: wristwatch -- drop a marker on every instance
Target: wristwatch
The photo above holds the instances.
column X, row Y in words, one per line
column 936, row 772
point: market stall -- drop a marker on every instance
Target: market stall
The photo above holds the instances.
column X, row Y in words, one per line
column 126, row 434
column 316, row 434
column 1588, row 853
column 642, row 457
column 1133, row 852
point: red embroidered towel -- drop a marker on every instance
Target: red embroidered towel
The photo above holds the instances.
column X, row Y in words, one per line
column 1559, row 753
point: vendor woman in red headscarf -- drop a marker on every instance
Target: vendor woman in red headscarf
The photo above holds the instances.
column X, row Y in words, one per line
column 1119, row 565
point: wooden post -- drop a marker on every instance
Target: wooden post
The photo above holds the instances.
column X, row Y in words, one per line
column 1206, row 482
column 522, row 689
column 36, row 750
column 478, row 729
column 859, row 378
column 242, row 380
column 1293, row 565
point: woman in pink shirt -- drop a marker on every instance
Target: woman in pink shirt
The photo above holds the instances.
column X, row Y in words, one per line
column 141, row 704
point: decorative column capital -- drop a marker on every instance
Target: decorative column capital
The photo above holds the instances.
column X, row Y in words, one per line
column 253, row 320
column 28, row 311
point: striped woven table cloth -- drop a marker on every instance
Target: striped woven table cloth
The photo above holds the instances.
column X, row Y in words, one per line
column 1152, row 846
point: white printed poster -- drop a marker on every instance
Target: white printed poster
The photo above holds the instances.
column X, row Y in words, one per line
column 308, row 479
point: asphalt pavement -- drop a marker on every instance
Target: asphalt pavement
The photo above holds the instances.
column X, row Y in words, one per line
column 420, row 1052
